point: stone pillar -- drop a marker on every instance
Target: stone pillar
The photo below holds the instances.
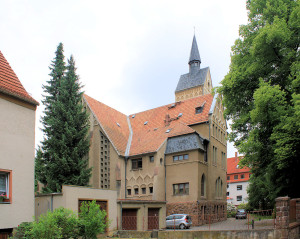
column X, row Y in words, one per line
column 298, row 209
column 282, row 217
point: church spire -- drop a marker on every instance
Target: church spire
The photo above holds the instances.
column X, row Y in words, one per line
column 195, row 60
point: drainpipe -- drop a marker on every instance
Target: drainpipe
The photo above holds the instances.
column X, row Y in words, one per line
column 126, row 159
column 51, row 204
column 121, row 216
column 165, row 177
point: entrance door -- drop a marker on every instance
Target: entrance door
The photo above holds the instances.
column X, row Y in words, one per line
column 129, row 219
column 153, row 218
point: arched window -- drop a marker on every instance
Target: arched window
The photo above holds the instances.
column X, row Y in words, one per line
column 218, row 187
column 221, row 188
column 203, row 185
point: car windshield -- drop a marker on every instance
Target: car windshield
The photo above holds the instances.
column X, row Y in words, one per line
column 241, row 210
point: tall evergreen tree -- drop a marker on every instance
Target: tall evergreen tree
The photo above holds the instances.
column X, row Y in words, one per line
column 261, row 96
column 65, row 147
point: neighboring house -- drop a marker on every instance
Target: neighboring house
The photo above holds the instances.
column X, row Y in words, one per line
column 17, row 129
column 71, row 197
column 237, row 181
column 174, row 154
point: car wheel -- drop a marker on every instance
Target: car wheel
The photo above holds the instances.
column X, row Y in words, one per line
column 181, row 226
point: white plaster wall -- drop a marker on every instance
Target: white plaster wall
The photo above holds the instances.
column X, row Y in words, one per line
column 70, row 197
column 233, row 192
column 17, row 128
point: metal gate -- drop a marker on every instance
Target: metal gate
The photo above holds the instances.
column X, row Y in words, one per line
column 153, row 218
column 129, row 219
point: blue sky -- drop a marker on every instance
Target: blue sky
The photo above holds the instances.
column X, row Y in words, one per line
column 129, row 54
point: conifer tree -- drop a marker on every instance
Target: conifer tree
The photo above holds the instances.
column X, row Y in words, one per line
column 65, row 147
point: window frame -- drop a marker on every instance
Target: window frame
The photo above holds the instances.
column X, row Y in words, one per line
column 239, row 198
column 236, row 177
column 180, row 157
column 8, row 185
column 137, row 164
column 181, row 189
column 151, row 158
column 239, row 187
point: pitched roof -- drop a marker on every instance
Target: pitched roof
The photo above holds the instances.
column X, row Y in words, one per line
column 232, row 166
column 191, row 80
column 10, row 83
column 113, row 122
column 149, row 130
column 194, row 56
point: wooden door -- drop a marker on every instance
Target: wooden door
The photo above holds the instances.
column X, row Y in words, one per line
column 153, row 218
column 129, row 219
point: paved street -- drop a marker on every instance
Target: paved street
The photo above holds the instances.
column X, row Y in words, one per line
column 233, row 224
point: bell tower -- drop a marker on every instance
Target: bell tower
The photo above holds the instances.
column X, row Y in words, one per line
column 198, row 81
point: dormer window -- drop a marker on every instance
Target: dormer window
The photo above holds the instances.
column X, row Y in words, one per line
column 146, row 122
column 198, row 110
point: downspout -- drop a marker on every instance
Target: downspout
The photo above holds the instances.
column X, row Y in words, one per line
column 165, row 177
column 121, row 215
column 51, row 204
column 126, row 159
column 127, row 152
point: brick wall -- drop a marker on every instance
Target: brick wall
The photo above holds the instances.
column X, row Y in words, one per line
column 201, row 212
column 285, row 228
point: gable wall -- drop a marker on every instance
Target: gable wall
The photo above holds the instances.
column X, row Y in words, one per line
column 17, row 129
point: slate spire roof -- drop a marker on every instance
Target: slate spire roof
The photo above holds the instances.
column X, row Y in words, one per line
column 10, row 83
column 196, row 76
column 194, row 56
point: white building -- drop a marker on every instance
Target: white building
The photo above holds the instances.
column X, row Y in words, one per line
column 237, row 181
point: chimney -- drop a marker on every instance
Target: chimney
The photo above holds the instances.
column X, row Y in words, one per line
column 236, row 156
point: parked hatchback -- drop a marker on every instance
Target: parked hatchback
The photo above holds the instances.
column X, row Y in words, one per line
column 180, row 221
column 241, row 213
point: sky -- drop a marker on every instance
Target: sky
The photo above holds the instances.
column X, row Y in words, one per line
column 129, row 54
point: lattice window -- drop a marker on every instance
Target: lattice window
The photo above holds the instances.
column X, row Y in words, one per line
column 104, row 162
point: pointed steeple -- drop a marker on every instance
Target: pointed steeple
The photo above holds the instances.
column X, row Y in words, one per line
column 195, row 59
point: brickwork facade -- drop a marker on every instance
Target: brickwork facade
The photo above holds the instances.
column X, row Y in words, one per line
column 205, row 212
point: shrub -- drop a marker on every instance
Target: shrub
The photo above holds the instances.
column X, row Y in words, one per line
column 21, row 230
column 92, row 220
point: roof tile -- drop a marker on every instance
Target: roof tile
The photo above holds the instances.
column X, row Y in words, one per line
column 147, row 138
column 10, row 83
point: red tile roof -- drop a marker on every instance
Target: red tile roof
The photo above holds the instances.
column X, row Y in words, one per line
column 147, row 138
column 232, row 166
column 108, row 119
column 10, row 83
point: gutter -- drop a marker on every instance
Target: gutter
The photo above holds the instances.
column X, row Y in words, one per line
column 127, row 152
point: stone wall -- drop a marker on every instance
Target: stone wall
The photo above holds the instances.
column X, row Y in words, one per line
column 201, row 212
column 284, row 228
column 243, row 234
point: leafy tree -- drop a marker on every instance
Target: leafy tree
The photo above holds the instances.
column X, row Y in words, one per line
column 261, row 96
column 62, row 159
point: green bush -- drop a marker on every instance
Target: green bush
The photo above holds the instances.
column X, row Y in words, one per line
column 92, row 220
column 21, row 230
column 231, row 214
column 63, row 223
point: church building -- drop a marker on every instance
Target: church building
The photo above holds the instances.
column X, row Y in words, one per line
column 173, row 155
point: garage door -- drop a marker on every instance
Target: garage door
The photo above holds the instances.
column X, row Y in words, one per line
column 153, row 218
column 129, row 219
